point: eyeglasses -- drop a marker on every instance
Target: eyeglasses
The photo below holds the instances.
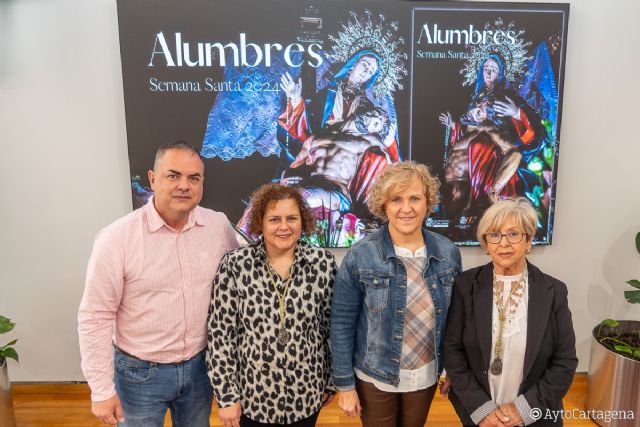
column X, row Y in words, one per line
column 513, row 237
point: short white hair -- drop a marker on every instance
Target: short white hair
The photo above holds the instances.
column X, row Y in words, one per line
column 519, row 209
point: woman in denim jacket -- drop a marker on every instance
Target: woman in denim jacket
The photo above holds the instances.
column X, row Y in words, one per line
column 390, row 302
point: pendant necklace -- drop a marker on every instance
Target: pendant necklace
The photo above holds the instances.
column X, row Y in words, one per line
column 496, row 365
column 282, row 335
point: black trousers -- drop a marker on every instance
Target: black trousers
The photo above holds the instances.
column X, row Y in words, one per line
column 307, row 422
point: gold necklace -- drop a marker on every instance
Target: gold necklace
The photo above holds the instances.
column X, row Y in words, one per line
column 496, row 365
column 282, row 335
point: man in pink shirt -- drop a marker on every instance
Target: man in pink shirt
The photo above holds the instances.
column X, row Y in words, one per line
column 142, row 319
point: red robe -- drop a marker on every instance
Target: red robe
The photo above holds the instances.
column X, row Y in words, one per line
column 485, row 157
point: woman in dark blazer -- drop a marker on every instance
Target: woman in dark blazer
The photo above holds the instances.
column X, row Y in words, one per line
column 509, row 348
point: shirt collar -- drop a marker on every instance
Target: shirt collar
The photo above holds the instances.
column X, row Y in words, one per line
column 386, row 245
column 155, row 221
column 406, row 253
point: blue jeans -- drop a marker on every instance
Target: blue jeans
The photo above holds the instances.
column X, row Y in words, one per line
column 148, row 389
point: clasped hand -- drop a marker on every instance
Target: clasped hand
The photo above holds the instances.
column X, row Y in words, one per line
column 505, row 416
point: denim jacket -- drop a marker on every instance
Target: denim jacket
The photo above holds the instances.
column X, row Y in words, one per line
column 369, row 302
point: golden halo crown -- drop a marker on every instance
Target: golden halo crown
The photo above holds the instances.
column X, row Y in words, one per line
column 373, row 33
column 514, row 53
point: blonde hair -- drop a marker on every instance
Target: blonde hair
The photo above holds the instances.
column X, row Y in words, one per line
column 519, row 209
column 399, row 177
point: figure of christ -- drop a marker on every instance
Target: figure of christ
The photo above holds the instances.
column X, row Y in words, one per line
column 491, row 154
column 345, row 93
column 496, row 160
column 334, row 155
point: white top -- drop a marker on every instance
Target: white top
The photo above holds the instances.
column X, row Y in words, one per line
column 410, row 380
column 504, row 387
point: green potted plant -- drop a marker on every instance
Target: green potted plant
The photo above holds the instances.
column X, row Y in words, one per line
column 7, row 351
column 614, row 368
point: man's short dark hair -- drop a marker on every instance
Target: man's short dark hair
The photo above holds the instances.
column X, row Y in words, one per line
column 175, row 145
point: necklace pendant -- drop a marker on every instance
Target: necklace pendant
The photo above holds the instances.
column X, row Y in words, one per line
column 496, row 366
column 283, row 337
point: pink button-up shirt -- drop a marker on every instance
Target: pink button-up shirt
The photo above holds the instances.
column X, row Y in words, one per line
column 155, row 283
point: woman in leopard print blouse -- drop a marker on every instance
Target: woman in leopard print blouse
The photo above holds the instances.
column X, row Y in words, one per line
column 268, row 355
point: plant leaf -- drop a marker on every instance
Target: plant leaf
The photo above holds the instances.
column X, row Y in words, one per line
column 610, row 323
column 623, row 349
column 10, row 353
column 636, row 353
column 8, row 344
column 634, row 282
column 6, row 325
column 638, row 242
column 632, row 296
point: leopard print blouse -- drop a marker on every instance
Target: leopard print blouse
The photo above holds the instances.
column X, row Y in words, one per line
column 274, row 383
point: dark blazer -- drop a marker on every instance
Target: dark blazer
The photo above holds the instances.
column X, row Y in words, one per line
column 550, row 356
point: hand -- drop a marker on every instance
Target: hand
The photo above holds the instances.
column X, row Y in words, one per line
column 348, row 401
column 230, row 415
column 446, row 120
column 108, row 411
column 304, row 156
column 506, row 108
column 495, row 419
column 292, row 89
column 327, row 399
column 445, row 386
column 510, row 410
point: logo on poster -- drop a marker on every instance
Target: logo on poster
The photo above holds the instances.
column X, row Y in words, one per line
column 464, row 36
column 207, row 54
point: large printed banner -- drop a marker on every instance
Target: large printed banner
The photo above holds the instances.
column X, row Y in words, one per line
column 326, row 94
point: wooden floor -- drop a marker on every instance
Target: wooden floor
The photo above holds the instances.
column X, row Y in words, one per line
column 57, row 405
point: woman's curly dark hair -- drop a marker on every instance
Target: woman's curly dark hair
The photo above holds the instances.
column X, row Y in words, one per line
column 274, row 192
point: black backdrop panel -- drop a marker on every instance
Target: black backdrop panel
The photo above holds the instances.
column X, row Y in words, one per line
column 211, row 73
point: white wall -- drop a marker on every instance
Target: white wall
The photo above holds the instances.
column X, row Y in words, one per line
column 64, row 160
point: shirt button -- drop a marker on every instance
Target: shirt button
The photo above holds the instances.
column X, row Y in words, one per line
column 439, row 310
column 400, row 311
column 434, row 286
column 398, row 337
